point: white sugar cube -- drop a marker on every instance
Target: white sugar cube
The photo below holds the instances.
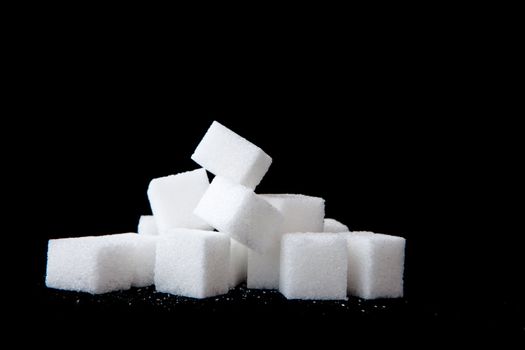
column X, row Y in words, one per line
column 237, row 211
column 313, row 266
column 142, row 251
column 147, row 225
column 238, row 263
column 193, row 263
column 224, row 153
column 91, row 264
column 375, row 265
column 301, row 214
column 144, row 260
column 334, row 226
column 263, row 270
column 173, row 198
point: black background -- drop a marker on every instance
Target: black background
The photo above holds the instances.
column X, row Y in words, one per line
column 394, row 125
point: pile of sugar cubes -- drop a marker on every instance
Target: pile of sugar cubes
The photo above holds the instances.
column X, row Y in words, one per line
column 205, row 238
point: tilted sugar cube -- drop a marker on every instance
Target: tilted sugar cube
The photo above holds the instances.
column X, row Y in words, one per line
column 193, row 263
column 334, row 226
column 173, row 198
column 224, row 153
column 147, row 225
column 375, row 265
column 237, row 211
column 313, row 266
column 301, row 214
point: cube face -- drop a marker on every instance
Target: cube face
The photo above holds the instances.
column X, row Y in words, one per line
column 141, row 250
column 258, row 169
column 226, row 154
column 313, row 266
column 237, row 211
column 238, row 263
column 258, row 225
column 136, row 259
column 263, row 270
column 173, row 199
column 359, row 264
column 71, row 265
column 90, row 264
column 375, row 265
column 147, row 226
column 145, row 248
column 222, row 203
column 334, row 226
column 301, row 213
column 193, row 263
column 387, row 266
column 116, row 268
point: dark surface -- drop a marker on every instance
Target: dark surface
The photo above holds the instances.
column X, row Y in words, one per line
column 408, row 314
column 398, row 135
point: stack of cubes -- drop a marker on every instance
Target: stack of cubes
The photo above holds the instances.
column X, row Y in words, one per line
column 205, row 238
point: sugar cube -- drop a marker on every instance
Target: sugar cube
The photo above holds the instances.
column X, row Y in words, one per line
column 193, row 263
column 334, row 226
column 313, row 266
column 173, row 198
column 142, row 251
column 144, row 260
column 147, row 225
column 237, row 211
column 238, row 263
column 91, row 264
column 375, row 265
column 224, row 153
column 263, row 270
